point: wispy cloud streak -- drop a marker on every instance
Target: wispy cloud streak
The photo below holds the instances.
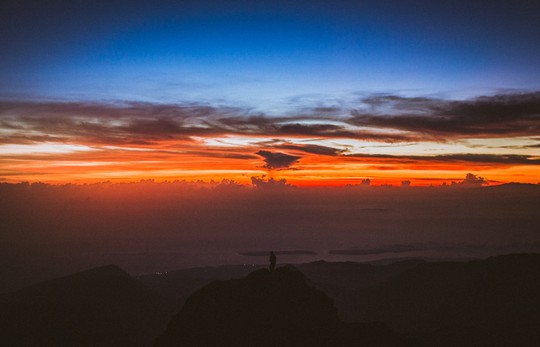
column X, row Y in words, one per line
column 414, row 119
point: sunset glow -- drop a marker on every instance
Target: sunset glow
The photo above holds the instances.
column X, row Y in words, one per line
column 312, row 92
column 96, row 145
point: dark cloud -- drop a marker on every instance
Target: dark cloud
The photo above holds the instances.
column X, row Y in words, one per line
column 473, row 180
column 216, row 154
column 495, row 116
column 277, row 160
column 295, row 125
column 339, row 131
column 313, row 129
column 271, row 183
column 146, row 123
column 112, row 123
column 509, row 159
column 29, row 139
column 313, row 149
column 376, row 119
column 365, row 182
column 507, row 146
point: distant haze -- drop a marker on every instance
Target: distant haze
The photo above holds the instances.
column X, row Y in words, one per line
column 146, row 226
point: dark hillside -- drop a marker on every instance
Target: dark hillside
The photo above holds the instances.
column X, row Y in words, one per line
column 268, row 309
column 99, row 307
column 492, row 302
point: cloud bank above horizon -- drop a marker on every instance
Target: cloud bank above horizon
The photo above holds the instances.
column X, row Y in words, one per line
column 399, row 137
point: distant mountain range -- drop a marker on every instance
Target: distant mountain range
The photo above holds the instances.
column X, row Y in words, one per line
column 491, row 302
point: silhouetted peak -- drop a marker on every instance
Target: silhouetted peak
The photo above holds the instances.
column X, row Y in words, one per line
column 265, row 308
column 285, row 273
column 111, row 268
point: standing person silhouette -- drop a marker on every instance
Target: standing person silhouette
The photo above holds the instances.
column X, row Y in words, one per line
column 272, row 261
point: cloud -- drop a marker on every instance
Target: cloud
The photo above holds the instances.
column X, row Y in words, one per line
column 167, row 136
column 277, row 160
column 493, row 116
column 500, row 115
column 111, row 123
column 215, row 154
column 473, row 180
column 383, row 118
column 505, row 159
column 313, row 149
column 365, row 182
column 271, row 183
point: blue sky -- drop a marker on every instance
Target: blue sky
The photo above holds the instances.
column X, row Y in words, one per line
column 270, row 57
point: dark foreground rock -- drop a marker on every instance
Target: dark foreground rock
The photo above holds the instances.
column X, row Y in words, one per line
column 268, row 309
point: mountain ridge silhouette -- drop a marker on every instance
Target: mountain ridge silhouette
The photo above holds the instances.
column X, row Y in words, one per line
column 268, row 309
column 483, row 302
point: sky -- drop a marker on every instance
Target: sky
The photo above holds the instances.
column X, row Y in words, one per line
column 319, row 93
column 164, row 134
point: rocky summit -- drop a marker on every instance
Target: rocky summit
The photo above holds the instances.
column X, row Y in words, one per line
column 268, row 309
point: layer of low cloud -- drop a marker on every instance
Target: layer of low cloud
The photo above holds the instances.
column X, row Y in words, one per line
column 150, row 226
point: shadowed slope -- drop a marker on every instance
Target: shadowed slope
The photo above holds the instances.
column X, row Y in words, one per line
column 102, row 306
column 267, row 309
column 492, row 302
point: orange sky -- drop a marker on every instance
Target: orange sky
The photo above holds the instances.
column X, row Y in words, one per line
column 59, row 142
column 84, row 163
